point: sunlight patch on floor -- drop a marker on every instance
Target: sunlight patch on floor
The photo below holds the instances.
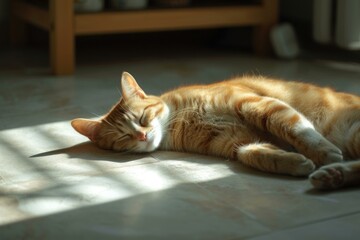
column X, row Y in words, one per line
column 46, row 185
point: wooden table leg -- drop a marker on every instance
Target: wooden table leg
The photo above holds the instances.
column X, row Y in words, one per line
column 261, row 37
column 62, row 37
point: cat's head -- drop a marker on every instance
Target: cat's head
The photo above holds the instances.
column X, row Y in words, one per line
column 134, row 124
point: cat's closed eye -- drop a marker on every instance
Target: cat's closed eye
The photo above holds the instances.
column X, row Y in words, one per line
column 144, row 120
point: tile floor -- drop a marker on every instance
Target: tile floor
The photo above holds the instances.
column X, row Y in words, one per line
column 56, row 185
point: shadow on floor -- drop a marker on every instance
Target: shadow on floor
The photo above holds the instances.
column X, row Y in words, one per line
column 89, row 151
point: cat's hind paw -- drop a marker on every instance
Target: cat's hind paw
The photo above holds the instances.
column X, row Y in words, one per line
column 328, row 177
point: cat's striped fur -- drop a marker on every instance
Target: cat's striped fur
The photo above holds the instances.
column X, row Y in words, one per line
column 271, row 125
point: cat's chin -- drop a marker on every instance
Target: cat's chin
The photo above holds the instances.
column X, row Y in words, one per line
column 148, row 146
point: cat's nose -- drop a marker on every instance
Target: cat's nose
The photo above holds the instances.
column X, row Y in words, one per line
column 141, row 136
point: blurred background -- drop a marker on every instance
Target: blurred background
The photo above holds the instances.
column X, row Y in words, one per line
column 323, row 29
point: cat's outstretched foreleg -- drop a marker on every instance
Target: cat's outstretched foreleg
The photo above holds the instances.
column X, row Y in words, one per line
column 336, row 175
column 269, row 158
column 280, row 119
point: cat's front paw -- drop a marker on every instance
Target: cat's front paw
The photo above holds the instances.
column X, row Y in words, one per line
column 328, row 177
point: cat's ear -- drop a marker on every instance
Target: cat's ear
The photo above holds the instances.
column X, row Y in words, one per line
column 130, row 88
column 88, row 128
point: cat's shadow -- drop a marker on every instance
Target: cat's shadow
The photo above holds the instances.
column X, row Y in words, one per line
column 89, row 151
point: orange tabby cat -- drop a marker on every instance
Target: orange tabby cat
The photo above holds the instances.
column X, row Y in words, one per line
column 271, row 125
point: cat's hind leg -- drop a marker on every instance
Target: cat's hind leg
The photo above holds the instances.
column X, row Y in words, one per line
column 344, row 131
column 352, row 149
column 336, row 175
column 269, row 158
column 285, row 122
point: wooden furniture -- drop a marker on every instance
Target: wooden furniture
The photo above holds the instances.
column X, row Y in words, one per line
column 63, row 24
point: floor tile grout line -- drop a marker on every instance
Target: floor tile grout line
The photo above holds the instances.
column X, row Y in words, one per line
column 221, row 201
column 304, row 224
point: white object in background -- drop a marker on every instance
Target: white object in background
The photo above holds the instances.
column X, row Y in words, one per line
column 284, row 41
column 348, row 24
column 322, row 21
column 128, row 4
column 88, row 5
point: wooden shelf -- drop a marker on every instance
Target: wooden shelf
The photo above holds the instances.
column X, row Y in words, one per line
column 167, row 19
column 64, row 24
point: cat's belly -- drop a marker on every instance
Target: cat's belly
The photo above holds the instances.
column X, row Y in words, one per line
column 187, row 136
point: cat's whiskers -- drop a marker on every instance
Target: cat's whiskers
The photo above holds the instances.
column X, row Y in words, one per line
column 216, row 121
column 102, row 118
column 126, row 108
column 95, row 114
column 178, row 116
column 173, row 122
